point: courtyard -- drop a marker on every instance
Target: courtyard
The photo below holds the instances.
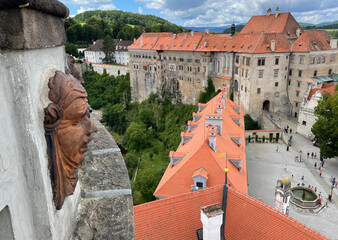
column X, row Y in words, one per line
column 265, row 166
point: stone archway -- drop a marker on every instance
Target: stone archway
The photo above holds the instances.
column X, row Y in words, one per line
column 266, row 105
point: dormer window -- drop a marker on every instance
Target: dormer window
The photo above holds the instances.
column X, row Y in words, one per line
column 200, row 178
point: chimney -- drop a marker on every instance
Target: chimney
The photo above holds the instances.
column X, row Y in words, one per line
column 192, row 33
column 207, row 31
column 174, row 36
column 298, row 32
column 212, row 138
column 333, row 42
column 211, row 218
column 268, row 13
column 277, row 12
column 134, row 39
column 205, row 43
column 195, row 46
column 141, row 41
column 233, row 29
column 273, row 45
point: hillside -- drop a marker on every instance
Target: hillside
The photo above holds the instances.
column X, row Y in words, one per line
column 149, row 22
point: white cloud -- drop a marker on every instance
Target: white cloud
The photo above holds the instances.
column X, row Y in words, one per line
column 82, row 9
column 222, row 12
column 107, row 7
column 140, row 10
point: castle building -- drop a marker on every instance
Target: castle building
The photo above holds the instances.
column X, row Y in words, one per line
column 267, row 64
column 214, row 141
column 95, row 54
column 306, row 118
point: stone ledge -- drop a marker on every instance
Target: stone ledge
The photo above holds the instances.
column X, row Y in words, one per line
column 106, row 208
column 24, row 29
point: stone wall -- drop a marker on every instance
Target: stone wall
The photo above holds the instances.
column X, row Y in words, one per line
column 113, row 70
column 106, row 209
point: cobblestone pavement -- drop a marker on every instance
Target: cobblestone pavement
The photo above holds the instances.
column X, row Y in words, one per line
column 266, row 166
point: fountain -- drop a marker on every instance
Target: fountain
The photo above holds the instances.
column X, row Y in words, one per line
column 304, row 197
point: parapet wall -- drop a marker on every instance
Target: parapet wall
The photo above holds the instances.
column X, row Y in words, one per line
column 113, row 70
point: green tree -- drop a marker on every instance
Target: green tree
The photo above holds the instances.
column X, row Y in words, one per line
column 71, row 49
column 209, row 92
column 136, row 136
column 326, row 127
column 250, row 124
column 108, row 49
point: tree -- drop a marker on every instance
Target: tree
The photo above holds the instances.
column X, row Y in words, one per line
column 136, row 136
column 250, row 124
column 326, row 127
column 71, row 49
column 108, row 49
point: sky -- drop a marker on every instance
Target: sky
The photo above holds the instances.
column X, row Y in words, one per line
column 213, row 13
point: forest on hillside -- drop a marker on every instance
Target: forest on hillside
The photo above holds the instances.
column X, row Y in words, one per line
column 92, row 25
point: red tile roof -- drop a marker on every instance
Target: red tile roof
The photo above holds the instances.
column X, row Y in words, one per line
column 326, row 88
column 96, row 46
column 283, row 23
column 246, row 218
column 312, row 40
column 178, row 179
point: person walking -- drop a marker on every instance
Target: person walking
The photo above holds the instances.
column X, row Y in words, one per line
column 287, row 148
column 315, row 164
column 308, row 154
column 292, row 177
column 302, row 177
column 315, row 189
column 290, row 130
column 277, row 148
column 315, row 155
column 312, row 155
column 320, row 173
column 286, row 168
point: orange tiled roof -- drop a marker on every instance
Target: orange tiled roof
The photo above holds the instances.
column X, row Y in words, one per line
column 312, row 40
column 327, row 88
column 246, row 218
column 201, row 172
column 177, row 179
column 283, row 23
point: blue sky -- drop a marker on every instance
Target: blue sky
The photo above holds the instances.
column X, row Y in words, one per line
column 200, row 13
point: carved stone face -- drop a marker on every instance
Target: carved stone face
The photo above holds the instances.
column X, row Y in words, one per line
column 68, row 130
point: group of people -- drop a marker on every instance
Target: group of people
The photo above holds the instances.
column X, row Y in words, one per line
column 287, row 129
column 313, row 155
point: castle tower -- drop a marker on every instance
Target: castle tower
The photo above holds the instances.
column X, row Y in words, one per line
column 282, row 194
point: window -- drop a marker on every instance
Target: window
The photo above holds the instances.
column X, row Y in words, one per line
column 237, row 59
column 261, row 62
column 318, row 59
column 172, row 67
column 236, row 70
column 297, row 94
column 189, row 68
column 289, row 82
column 198, row 69
column 330, row 71
column 276, row 61
column 292, row 59
column 312, row 60
column 290, row 72
column 174, row 58
column 323, row 59
column 189, row 59
column 199, row 184
column 300, row 73
column 296, row 104
column 135, row 66
column 169, row 57
column 260, row 74
column 243, row 62
column 246, row 89
column 197, row 60
column 198, row 80
column 204, row 59
column 242, row 72
column 246, row 73
column 296, row 114
column 241, row 87
column 276, row 84
column 258, row 90
column 236, row 86
column 304, row 123
column 332, row 58
column 181, row 59
column 298, row 84
column 189, row 79
column 315, row 73
column 180, row 78
column 248, row 61
column 301, row 59
column 275, row 73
